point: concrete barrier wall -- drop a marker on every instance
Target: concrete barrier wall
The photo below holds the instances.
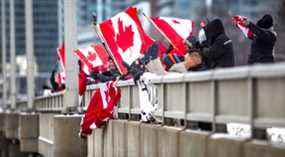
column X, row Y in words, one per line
column 46, row 134
column 28, row 132
column 67, row 142
column 53, row 103
column 2, row 124
column 11, row 125
column 132, row 139
column 252, row 95
column 240, row 94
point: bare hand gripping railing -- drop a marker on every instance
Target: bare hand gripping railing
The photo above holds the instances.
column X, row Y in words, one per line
column 252, row 95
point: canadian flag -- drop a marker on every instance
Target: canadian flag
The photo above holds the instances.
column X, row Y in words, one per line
column 100, row 108
column 60, row 78
column 82, row 82
column 61, row 55
column 93, row 58
column 125, row 37
column 239, row 20
column 176, row 30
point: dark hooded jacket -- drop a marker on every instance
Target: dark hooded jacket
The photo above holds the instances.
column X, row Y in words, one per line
column 218, row 51
column 262, row 45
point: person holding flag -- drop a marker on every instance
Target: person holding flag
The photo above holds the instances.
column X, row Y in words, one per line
column 263, row 38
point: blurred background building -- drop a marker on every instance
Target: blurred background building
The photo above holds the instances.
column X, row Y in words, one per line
column 48, row 25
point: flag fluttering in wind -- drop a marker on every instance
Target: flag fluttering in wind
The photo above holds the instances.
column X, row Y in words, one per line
column 58, row 77
column 61, row 55
column 175, row 30
column 239, row 20
column 61, row 76
column 101, row 107
column 93, row 58
column 82, row 82
column 124, row 37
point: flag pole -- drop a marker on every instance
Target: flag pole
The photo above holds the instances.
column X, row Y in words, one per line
column 159, row 30
column 98, row 33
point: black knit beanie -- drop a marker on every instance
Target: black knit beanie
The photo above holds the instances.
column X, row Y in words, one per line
column 265, row 22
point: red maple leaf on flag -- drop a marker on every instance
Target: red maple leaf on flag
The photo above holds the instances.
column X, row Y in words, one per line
column 125, row 36
column 91, row 56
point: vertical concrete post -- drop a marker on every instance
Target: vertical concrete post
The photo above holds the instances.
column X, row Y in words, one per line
column 133, row 136
column 108, row 12
column 12, row 55
column 99, row 10
column 60, row 21
column 28, row 131
column 3, row 19
column 120, row 138
column 30, row 51
column 67, row 143
column 208, row 4
column 70, row 41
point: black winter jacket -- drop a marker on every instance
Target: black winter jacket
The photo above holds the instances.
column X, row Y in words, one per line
column 262, row 45
column 219, row 49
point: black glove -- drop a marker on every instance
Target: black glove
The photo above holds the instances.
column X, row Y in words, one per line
column 193, row 41
column 151, row 54
column 101, row 77
column 135, row 70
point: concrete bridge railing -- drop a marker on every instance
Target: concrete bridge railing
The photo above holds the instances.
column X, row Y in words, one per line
column 251, row 94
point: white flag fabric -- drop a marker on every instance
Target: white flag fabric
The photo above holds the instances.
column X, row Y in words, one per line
column 176, row 30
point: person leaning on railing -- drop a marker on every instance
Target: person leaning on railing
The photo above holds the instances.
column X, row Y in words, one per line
column 216, row 47
column 213, row 50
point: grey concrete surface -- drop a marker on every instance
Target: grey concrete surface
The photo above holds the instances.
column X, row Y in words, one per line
column 28, row 126
column 175, row 99
column 199, row 105
column 257, row 148
column 125, row 100
column 168, row 138
column 70, row 44
column 2, row 123
column 67, row 142
column 29, row 145
column 270, row 101
column 11, row 125
column 98, row 144
column 29, row 32
column 133, row 135
column 193, row 143
column 149, row 140
column 28, row 132
column 108, row 139
column 224, row 146
column 120, row 138
column 233, row 101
